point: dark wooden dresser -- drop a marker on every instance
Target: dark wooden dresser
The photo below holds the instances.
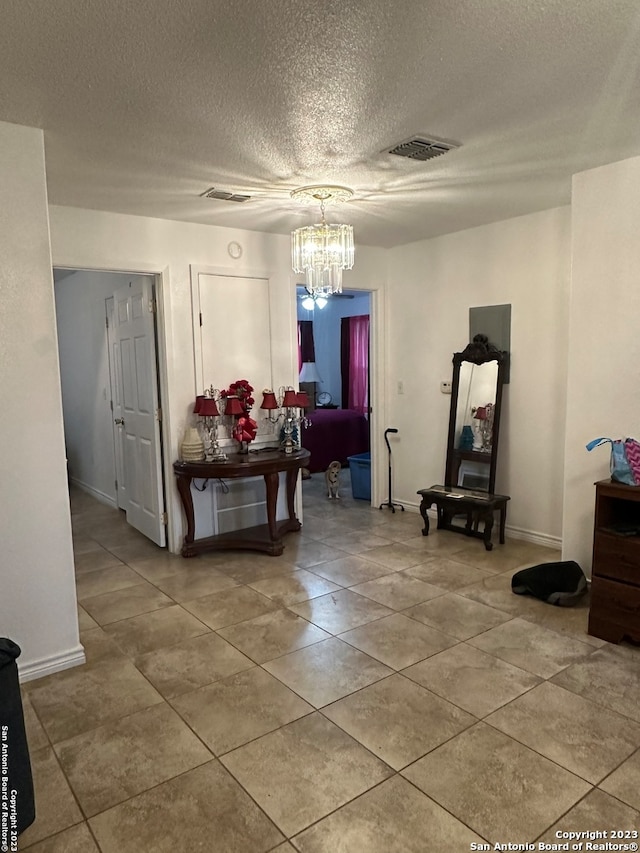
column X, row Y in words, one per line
column 615, row 582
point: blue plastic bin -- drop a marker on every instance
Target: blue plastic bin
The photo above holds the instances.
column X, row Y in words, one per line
column 360, row 468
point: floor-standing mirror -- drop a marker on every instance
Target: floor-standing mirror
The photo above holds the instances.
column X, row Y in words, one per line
column 472, row 447
column 474, row 417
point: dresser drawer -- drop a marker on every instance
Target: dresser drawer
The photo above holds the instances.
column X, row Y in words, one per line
column 616, row 603
column 616, row 557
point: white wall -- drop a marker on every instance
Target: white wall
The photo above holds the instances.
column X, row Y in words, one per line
column 604, row 352
column 106, row 241
column 84, row 370
column 432, row 284
column 37, row 583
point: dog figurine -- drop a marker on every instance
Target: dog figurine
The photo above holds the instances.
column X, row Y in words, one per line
column 332, row 477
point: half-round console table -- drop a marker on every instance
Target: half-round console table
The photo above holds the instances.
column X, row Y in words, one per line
column 269, row 464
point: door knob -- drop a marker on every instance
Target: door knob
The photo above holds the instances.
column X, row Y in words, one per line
column 119, row 421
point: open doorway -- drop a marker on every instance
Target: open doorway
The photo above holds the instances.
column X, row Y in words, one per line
column 334, row 357
column 107, row 340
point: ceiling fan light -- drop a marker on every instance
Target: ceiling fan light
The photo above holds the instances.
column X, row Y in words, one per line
column 308, row 303
column 321, row 301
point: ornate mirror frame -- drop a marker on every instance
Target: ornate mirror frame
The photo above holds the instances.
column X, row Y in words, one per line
column 484, row 451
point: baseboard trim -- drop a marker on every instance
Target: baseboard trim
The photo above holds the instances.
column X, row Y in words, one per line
column 536, row 538
column 96, row 493
column 409, row 506
column 55, row 663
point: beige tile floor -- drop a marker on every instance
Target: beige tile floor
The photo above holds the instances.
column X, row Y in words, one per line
column 370, row 691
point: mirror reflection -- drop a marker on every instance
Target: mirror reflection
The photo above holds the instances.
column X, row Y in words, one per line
column 476, row 406
column 474, row 419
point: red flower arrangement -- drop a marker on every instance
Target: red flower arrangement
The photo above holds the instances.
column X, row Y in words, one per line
column 242, row 390
column 245, row 428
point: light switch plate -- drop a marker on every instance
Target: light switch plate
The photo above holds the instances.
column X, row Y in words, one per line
column 445, row 387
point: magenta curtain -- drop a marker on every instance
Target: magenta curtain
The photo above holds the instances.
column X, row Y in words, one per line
column 359, row 363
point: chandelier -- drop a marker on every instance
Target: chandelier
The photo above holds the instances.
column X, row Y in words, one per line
column 322, row 251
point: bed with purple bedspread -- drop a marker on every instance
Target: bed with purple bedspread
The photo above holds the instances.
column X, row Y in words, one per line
column 334, row 434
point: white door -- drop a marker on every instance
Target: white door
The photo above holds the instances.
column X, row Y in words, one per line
column 136, row 409
column 235, row 332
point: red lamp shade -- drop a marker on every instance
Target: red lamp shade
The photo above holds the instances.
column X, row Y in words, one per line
column 269, row 400
column 234, row 407
column 302, row 400
column 208, row 408
column 481, row 413
column 198, row 403
column 290, row 398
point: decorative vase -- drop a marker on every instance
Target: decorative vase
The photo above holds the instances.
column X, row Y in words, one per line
column 466, row 438
column 192, row 447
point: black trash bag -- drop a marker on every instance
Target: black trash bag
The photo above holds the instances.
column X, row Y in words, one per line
column 17, row 804
column 562, row 584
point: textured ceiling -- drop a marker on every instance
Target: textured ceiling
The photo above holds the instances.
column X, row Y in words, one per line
column 147, row 103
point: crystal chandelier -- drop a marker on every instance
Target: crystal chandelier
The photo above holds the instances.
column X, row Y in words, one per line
column 322, row 251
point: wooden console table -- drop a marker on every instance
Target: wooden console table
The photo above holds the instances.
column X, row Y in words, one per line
column 269, row 464
column 477, row 506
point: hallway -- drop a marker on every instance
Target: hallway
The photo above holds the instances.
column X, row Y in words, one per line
column 370, row 691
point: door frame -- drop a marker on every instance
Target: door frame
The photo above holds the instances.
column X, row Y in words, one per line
column 163, row 345
column 377, row 380
column 117, row 450
column 377, row 391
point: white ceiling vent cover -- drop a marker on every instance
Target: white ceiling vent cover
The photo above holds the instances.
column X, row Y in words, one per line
column 421, row 148
column 224, row 195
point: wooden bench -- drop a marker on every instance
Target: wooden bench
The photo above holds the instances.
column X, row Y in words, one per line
column 478, row 507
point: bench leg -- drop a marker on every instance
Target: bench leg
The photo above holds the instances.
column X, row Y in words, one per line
column 424, row 506
column 488, row 527
column 503, row 521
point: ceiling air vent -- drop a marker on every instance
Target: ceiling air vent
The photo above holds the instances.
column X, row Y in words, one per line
column 224, row 195
column 421, row 148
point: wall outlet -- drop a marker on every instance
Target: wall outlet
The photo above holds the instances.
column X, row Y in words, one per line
column 445, row 387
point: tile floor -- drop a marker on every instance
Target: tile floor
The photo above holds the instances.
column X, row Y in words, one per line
column 370, row 691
